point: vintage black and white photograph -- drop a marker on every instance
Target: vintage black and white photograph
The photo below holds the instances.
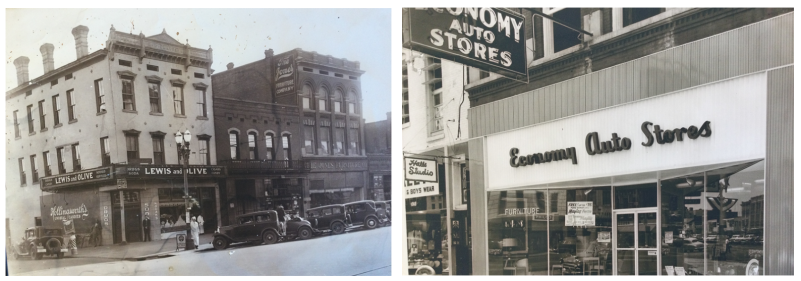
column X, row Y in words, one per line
column 198, row 142
column 597, row 141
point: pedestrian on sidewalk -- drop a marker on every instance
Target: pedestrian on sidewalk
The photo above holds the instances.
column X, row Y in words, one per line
column 200, row 223
column 282, row 219
column 195, row 235
column 146, row 228
column 95, row 234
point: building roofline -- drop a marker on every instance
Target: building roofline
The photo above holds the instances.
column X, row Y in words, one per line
column 56, row 72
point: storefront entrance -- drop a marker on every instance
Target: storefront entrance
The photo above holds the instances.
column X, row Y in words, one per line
column 635, row 241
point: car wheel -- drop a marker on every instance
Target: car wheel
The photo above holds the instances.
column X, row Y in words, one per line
column 220, row 243
column 337, row 228
column 304, row 233
column 269, row 237
column 35, row 255
column 425, row 270
column 371, row 223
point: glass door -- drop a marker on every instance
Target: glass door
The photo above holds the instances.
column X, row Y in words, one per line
column 636, row 242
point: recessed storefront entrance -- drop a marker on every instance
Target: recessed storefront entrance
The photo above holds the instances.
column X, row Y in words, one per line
column 635, row 241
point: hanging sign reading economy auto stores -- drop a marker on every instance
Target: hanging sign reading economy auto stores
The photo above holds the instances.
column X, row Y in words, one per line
column 491, row 39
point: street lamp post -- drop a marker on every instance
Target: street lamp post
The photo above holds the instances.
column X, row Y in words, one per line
column 182, row 140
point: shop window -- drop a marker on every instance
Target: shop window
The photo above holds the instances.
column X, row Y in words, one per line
column 56, row 110
column 16, row 125
column 269, row 142
column 22, row 180
column 635, row 196
column 132, row 146
column 286, row 145
column 34, row 170
column 100, row 96
column 31, row 130
column 178, row 99
column 105, row 151
column 128, row 97
column 252, row 150
column 46, row 159
column 42, row 114
column 233, row 141
column 634, row 15
column 308, row 143
column 325, row 136
column 564, row 37
column 154, row 93
column 60, row 158
column 76, row 157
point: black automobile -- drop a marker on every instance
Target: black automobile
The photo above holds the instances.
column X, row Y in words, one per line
column 382, row 211
column 362, row 213
column 40, row 241
column 261, row 226
column 328, row 218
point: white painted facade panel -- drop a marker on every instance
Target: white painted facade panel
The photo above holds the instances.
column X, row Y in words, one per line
column 735, row 108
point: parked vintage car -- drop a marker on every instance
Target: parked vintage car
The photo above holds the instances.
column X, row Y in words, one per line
column 692, row 245
column 737, row 239
column 260, row 226
column 362, row 213
column 40, row 241
column 328, row 218
column 382, row 213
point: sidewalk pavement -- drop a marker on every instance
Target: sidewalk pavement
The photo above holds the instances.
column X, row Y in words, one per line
column 140, row 250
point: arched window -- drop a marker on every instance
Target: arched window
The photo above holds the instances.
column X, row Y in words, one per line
column 336, row 101
column 252, row 150
column 269, row 143
column 306, row 95
column 286, row 146
column 233, row 139
column 352, row 98
column 322, row 99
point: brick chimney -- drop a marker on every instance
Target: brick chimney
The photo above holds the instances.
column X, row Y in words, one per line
column 230, row 65
column 22, row 70
column 81, row 42
column 47, row 56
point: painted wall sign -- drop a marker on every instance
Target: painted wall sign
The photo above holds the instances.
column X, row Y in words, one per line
column 421, row 190
column 420, row 169
column 285, row 71
column 80, row 177
column 82, row 208
column 491, row 39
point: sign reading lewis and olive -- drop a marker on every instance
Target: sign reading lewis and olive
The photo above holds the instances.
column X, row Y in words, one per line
column 420, row 169
column 80, row 177
column 594, row 145
column 491, row 39
column 147, row 171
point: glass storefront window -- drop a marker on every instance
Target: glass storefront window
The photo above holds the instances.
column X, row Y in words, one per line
column 581, row 231
column 518, row 236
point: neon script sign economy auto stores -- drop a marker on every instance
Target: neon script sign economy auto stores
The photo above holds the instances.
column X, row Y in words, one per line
column 487, row 38
column 594, row 146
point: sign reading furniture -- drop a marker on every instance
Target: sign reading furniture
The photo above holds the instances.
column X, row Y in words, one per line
column 491, row 39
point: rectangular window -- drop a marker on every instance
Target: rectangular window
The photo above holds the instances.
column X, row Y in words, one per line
column 128, row 99
column 76, row 157
column 132, row 146
column 47, row 162
column 352, row 77
column 268, row 142
column 339, row 75
column 564, row 37
column 16, row 124
column 308, row 143
column 175, row 71
column 152, row 67
column 158, row 150
column 635, row 15
column 287, row 149
column 252, row 151
column 337, row 106
column 233, row 141
column 56, row 110
column 199, row 75
column 339, row 141
column 68, row 76
column 353, row 136
column 42, row 125
column 100, row 96
column 201, row 102
column 178, row 99
column 204, row 152
column 352, row 108
column 321, row 104
column 154, row 90
column 306, row 103
column 125, row 63
column 324, row 136
column 22, row 175
column 30, row 119
column 71, row 105
column 34, row 170
column 105, row 152
column 308, row 69
column 323, row 72
column 53, row 83
column 60, row 157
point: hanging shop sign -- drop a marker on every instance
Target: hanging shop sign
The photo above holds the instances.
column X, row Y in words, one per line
column 75, row 178
column 491, row 39
column 162, row 171
column 420, row 169
column 421, row 190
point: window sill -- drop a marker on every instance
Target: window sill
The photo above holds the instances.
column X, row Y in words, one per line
column 73, row 121
column 179, row 116
column 436, row 136
column 17, row 138
column 43, row 130
column 157, row 114
column 23, row 185
column 201, row 118
column 101, row 112
column 58, row 125
column 130, row 111
column 31, row 133
column 406, row 125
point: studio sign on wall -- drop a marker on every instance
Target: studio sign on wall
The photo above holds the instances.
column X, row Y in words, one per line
column 594, row 145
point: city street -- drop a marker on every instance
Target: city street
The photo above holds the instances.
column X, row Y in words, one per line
column 358, row 252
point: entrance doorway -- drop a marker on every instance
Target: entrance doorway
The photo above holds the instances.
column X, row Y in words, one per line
column 636, row 241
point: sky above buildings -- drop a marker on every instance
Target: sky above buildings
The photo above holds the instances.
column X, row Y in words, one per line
column 236, row 35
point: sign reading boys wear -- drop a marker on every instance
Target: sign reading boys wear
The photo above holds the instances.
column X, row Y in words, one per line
column 421, row 190
column 491, row 39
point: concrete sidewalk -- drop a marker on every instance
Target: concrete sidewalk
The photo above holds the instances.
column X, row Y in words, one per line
column 140, row 250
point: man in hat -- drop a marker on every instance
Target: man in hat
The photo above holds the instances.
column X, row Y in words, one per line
column 146, row 228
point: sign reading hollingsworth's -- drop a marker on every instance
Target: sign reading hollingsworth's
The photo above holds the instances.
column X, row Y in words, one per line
column 420, row 169
column 492, row 39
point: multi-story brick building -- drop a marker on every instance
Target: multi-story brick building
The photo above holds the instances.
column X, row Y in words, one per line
column 92, row 141
column 378, row 145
